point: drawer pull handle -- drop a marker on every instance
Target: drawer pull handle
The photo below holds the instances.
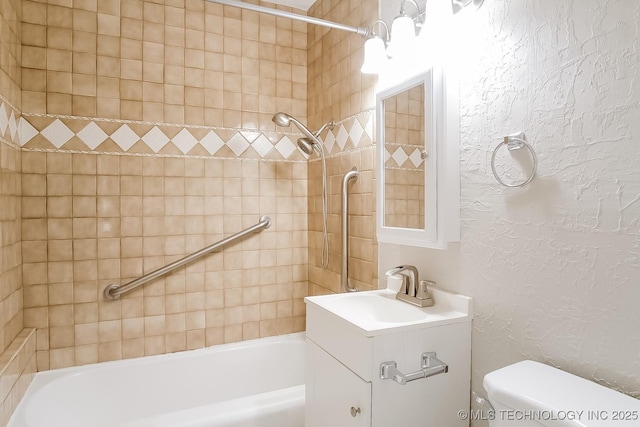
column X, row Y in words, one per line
column 355, row 411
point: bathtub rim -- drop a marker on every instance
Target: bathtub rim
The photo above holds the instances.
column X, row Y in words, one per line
column 43, row 379
column 59, row 372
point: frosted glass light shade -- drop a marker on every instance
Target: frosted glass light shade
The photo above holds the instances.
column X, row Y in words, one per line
column 375, row 56
column 403, row 34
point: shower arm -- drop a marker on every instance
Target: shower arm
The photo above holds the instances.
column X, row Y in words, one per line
column 362, row 31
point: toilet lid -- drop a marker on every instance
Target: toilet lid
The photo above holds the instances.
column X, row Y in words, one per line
column 558, row 398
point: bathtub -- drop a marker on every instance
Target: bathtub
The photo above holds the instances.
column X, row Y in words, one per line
column 252, row 383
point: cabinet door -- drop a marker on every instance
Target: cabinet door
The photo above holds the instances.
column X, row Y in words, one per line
column 335, row 396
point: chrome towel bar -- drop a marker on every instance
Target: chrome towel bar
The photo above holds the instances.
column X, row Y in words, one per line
column 113, row 291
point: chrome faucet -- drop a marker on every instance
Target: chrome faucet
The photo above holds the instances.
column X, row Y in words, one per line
column 408, row 281
column 413, row 290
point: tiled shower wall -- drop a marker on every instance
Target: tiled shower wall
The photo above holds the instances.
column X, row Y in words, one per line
column 10, row 272
column 91, row 220
column 148, row 135
column 338, row 91
column 17, row 346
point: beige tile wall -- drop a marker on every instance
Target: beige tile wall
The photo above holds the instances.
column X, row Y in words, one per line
column 92, row 218
column 114, row 191
column 336, row 87
column 12, row 383
column 338, row 91
column 170, row 61
column 17, row 369
column 95, row 219
column 13, row 357
column 10, row 249
column 10, row 258
column 10, row 52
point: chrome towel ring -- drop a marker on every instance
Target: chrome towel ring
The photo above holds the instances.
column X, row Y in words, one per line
column 515, row 142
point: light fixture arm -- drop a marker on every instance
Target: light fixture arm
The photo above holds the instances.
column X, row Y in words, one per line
column 403, row 12
column 384, row 25
column 362, row 31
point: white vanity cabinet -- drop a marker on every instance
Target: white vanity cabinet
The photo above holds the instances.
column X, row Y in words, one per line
column 340, row 397
column 344, row 357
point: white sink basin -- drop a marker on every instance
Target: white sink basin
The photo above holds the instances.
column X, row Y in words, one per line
column 379, row 312
column 375, row 307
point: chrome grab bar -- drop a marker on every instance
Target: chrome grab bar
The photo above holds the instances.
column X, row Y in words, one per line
column 344, row 277
column 113, row 291
column 431, row 366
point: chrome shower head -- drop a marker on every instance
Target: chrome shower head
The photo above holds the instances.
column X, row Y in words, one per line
column 307, row 146
column 310, row 142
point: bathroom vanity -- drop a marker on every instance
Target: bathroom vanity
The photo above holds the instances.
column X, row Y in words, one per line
column 362, row 346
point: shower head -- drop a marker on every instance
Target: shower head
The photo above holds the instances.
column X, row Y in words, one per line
column 307, row 146
column 310, row 142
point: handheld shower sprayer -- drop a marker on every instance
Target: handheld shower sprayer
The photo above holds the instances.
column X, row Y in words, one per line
column 285, row 120
column 310, row 142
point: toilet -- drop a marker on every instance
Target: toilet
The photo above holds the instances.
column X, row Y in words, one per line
column 531, row 394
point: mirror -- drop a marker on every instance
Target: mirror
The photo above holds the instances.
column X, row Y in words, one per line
column 418, row 163
column 404, row 167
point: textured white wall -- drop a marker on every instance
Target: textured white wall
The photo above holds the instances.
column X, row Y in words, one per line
column 554, row 268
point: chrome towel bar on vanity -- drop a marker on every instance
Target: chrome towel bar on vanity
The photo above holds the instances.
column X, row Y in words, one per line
column 113, row 291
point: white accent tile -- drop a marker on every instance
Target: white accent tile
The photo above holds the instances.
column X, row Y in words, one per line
column 329, row 141
column 13, row 126
column 342, row 137
column 416, row 157
column 212, row 142
column 387, row 155
column 4, row 121
column 285, row 147
column 400, row 156
column 125, row 137
column 262, row 145
column 92, row 135
column 368, row 128
column 356, row 132
column 238, row 144
column 155, row 139
column 57, row 133
column 184, row 140
column 26, row 133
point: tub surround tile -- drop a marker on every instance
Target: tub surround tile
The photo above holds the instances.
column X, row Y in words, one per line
column 17, row 369
column 156, row 210
column 67, row 133
column 338, row 91
column 136, row 176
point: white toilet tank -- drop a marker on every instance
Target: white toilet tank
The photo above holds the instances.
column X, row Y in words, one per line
column 531, row 394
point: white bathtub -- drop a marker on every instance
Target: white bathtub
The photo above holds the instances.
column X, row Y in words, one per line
column 253, row 383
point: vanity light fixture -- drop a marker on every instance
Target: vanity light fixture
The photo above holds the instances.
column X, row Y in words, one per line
column 403, row 31
column 458, row 5
column 401, row 41
column 375, row 50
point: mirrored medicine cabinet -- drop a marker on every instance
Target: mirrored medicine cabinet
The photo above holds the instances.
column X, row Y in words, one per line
column 418, row 185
